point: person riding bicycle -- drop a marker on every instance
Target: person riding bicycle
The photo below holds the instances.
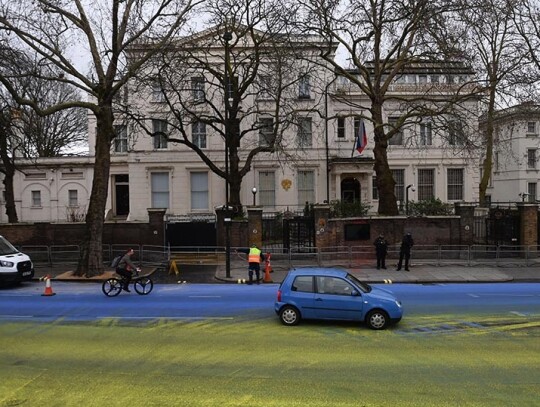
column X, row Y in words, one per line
column 125, row 269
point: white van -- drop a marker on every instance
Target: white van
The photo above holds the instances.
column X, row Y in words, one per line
column 14, row 265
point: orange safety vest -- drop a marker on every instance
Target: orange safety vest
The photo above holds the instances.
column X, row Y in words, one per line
column 254, row 255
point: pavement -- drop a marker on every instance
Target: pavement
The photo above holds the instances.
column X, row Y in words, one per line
column 420, row 273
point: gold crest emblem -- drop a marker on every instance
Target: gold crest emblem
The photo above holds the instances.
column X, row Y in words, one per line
column 286, row 184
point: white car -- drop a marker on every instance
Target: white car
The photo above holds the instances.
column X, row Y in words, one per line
column 14, row 265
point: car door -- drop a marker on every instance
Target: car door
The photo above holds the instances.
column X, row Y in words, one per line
column 336, row 298
column 302, row 295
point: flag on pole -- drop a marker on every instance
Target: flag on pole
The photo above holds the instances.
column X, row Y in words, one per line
column 360, row 140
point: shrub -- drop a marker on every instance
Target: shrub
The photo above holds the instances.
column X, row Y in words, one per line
column 341, row 209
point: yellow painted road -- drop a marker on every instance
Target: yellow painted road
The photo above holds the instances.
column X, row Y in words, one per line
column 424, row 361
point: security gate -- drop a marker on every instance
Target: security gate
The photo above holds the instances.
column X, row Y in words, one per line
column 299, row 234
column 503, row 227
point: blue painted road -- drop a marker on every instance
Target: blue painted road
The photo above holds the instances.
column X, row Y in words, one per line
column 85, row 301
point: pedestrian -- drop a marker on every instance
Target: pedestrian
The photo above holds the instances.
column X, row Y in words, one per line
column 125, row 269
column 381, row 248
column 405, row 251
column 255, row 257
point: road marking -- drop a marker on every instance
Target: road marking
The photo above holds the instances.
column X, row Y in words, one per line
column 16, row 316
column 474, row 296
column 519, row 314
column 162, row 317
column 204, row 296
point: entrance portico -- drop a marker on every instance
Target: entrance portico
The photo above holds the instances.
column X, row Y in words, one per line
column 351, row 178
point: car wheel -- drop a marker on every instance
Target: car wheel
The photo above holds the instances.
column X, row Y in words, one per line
column 289, row 315
column 377, row 319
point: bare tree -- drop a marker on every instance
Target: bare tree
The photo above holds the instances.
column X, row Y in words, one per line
column 56, row 32
column 491, row 39
column 381, row 41
column 240, row 80
column 55, row 134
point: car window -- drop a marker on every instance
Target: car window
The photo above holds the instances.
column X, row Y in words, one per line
column 303, row 284
column 363, row 286
column 333, row 285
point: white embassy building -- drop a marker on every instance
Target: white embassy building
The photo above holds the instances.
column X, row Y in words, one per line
column 321, row 164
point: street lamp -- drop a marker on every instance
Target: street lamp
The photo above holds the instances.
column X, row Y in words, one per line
column 410, row 186
column 227, row 36
column 254, row 192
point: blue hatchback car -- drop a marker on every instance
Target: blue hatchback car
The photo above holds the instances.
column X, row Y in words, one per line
column 327, row 293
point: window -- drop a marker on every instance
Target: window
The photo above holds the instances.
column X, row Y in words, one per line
column 333, row 286
column 357, row 127
column 434, row 78
column 455, row 184
column 160, row 189
column 397, row 139
column 341, row 127
column 73, row 199
column 158, row 94
column 266, row 131
column 531, row 158
column 422, row 78
column 456, row 136
column 531, row 128
column 199, row 190
column 197, row 88
column 267, row 188
column 426, row 184
column 36, row 199
column 306, row 187
column 399, row 187
column 198, row 134
column 374, row 189
column 159, row 128
column 265, row 87
column 304, row 132
column 303, row 284
column 304, row 91
column 426, row 138
column 120, row 140
column 531, row 190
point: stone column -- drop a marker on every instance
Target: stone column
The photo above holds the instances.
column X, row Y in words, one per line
column 465, row 211
column 255, row 225
column 528, row 214
column 156, row 227
column 321, row 214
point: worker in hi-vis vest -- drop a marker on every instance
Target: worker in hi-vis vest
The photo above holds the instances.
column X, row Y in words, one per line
column 255, row 257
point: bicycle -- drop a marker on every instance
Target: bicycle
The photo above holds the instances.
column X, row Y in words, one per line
column 143, row 284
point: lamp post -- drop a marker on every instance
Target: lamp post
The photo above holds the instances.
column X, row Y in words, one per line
column 410, row 186
column 227, row 36
column 254, row 192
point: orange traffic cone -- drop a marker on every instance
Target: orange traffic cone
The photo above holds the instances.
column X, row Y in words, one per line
column 48, row 289
column 267, row 269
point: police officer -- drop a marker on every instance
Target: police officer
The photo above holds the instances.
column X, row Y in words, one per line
column 405, row 251
column 381, row 248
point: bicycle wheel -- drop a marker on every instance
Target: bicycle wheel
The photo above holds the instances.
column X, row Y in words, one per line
column 111, row 287
column 143, row 286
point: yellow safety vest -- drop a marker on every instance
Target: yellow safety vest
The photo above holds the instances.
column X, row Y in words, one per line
column 254, row 255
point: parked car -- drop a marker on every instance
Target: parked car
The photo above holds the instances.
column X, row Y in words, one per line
column 329, row 293
column 14, row 265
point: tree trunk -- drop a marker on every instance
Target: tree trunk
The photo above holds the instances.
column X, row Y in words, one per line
column 91, row 260
column 9, row 173
column 487, row 164
column 385, row 180
column 11, row 210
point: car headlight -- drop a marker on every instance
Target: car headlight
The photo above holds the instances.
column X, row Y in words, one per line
column 4, row 263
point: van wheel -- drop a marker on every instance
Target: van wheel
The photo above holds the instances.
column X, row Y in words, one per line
column 289, row 315
column 377, row 319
